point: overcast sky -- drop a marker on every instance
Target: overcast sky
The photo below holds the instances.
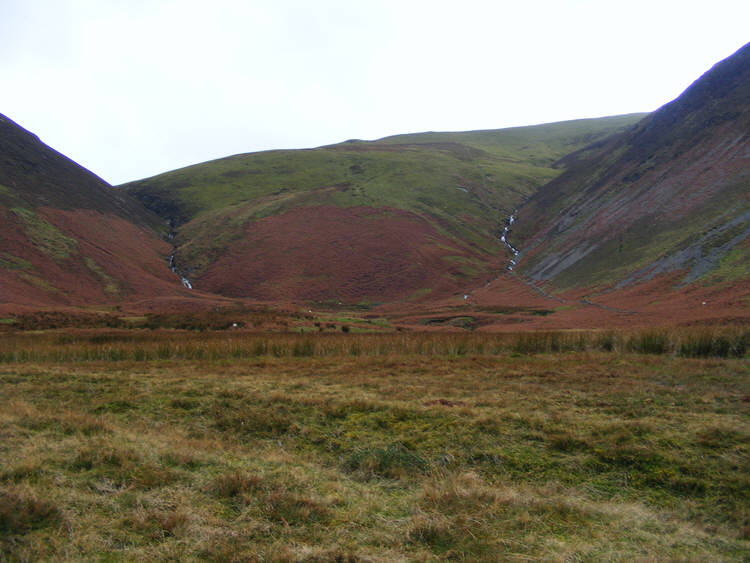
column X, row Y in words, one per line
column 132, row 88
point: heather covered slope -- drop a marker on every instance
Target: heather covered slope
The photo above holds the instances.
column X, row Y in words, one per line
column 669, row 198
column 68, row 238
column 395, row 219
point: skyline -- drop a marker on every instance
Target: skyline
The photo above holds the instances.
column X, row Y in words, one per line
column 129, row 90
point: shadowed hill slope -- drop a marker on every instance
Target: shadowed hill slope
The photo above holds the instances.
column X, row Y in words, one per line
column 668, row 196
column 399, row 218
column 68, row 238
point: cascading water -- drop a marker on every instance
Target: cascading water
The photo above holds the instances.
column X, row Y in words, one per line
column 504, row 240
column 173, row 267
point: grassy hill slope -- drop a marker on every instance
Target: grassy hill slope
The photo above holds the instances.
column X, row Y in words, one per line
column 392, row 219
column 668, row 196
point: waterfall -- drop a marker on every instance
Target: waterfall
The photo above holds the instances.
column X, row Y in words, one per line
column 173, row 267
column 504, row 239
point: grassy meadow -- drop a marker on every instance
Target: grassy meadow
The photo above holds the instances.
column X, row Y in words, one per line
column 232, row 446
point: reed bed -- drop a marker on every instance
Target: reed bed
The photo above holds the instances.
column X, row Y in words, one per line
column 115, row 346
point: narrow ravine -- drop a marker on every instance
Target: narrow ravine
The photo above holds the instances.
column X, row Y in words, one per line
column 514, row 262
column 173, row 265
column 504, row 239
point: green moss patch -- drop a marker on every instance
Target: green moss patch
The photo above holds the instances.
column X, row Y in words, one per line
column 10, row 262
column 46, row 237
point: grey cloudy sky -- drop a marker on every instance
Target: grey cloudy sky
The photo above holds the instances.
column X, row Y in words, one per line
column 132, row 88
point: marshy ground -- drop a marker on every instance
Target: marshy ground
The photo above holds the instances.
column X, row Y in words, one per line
column 566, row 446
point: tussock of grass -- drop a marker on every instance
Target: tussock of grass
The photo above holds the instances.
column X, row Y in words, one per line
column 233, row 485
column 21, row 512
column 393, row 461
column 157, row 525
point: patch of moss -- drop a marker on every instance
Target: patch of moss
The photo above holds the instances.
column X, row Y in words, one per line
column 45, row 236
column 419, row 294
column 464, row 267
column 38, row 282
column 110, row 285
column 723, row 236
column 10, row 199
column 10, row 262
column 734, row 265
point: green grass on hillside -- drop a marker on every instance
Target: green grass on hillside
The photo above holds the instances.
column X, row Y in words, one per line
column 386, row 172
column 538, row 144
column 44, row 236
column 465, row 184
column 11, row 262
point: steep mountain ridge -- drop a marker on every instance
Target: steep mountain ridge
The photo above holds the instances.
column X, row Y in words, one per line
column 670, row 194
column 68, row 237
column 37, row 175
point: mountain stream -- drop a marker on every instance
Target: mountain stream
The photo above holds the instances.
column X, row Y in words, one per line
column 173, row 267
column 173, row 264
column 504, row 240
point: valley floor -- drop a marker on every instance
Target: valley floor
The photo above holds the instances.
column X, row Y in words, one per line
column 369, row 448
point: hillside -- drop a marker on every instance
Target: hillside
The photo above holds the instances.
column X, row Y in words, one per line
column 68, row 238
column 395, row 219
column 666, row 201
